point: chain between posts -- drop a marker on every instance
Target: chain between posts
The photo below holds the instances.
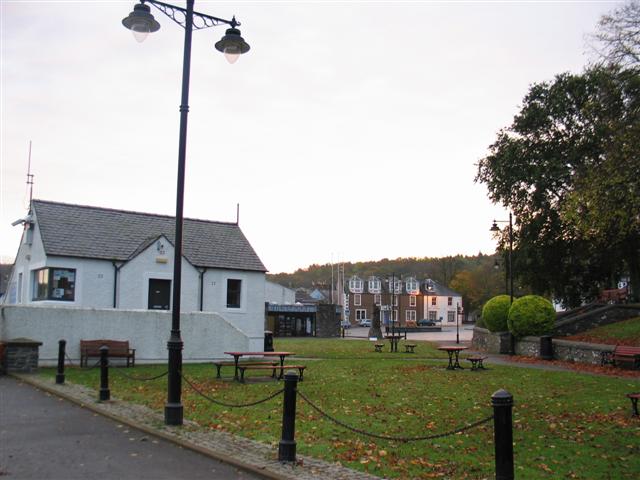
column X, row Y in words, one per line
column 388, row 437
column 140, row 379
column 232, row 405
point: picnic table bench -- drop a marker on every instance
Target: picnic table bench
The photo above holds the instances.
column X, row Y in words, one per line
column 117, row 349
column 221, row 364
column 244, row 367
column 634, row 397
column 408, row 347
column 476, row 362
column 622, row 354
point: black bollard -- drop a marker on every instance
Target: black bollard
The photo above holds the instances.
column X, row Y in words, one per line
column 105, row 393
column 60, row 374
column 287, row 447
column 502, row 402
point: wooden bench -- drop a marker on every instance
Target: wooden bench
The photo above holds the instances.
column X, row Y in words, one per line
column 476, row 362
column 221, row 364
column 273, row 369
column 378, row 347
column 622, row 354
column 634, row 397
column 117, row 349
column 408, row 347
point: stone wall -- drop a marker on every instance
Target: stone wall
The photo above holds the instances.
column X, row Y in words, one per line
column 21, row 355
column 490, row 342
column 327, row 321
column 596, row 317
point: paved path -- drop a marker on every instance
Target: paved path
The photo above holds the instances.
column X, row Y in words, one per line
column 42, row 436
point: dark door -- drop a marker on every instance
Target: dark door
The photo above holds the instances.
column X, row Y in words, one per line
column 159, row 294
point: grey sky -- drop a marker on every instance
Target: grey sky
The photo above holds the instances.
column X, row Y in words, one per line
column 350, row 130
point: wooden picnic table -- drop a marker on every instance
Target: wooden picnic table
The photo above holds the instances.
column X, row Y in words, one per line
column 237, row 355
column 454, row 352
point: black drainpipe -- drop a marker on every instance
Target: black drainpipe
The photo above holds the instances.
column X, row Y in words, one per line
column 202, row 272
column 115, row 281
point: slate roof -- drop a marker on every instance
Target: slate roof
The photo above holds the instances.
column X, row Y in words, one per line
column 91, row 232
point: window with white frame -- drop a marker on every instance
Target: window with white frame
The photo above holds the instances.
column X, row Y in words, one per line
column 432, row 315
column 397, row 286
column 355, row 284
column 361, row 314
column 410, row 315
column 449, row 301
column 395, row 315
column 377, row 299
column 411, row 284
column 357, row 299
column 54, row 284
column 412, row 301
column 395, row 300
column 451, row 316
column 374, row 285
column 433, row 300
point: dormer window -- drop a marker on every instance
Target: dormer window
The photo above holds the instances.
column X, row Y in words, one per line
column 411, row 285
column 397, row 286
column 356, row 284
column 374, row 285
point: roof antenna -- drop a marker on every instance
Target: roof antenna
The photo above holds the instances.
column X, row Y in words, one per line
column 30, row 177
column 237, row 214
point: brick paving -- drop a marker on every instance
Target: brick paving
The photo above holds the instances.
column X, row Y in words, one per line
column 248, row 454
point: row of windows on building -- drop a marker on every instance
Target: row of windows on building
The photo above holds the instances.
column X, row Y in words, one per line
column 374, row 285
column 413, row 300
column 409, row 315
column 59, row 284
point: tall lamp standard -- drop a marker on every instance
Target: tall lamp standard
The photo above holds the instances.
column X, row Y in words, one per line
column 459, row 313
column 494, row 228
column 141, row 23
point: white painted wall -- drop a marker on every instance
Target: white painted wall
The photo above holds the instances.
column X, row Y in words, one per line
column 206, row 336
column 276, row 293
column 442, row 308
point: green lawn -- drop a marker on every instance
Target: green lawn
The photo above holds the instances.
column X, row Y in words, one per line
column 626, row 332
column 566, row 424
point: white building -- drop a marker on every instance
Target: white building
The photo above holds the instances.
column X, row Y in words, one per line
column 77, row 256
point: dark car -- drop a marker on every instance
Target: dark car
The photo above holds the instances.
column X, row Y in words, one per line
column 425, row 322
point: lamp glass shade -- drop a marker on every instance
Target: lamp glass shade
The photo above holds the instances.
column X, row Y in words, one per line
column 232, row 45
column 140, row 31
column 141, row 22
column 494, row 227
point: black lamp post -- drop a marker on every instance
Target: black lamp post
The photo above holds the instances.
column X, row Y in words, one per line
column 141, row 23
column 494, row 228
column 458, row 314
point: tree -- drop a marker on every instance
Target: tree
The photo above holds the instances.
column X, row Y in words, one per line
column 618, row 36
column 552, row 166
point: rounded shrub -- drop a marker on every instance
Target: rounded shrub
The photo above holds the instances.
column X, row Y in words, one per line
column 495, row 313
column 531, row 315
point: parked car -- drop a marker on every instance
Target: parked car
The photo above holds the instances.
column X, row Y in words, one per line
column 365, row 322
column 345, row 324
column 425, row 322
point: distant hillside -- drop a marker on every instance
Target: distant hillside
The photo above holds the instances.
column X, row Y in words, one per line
column 475, row 277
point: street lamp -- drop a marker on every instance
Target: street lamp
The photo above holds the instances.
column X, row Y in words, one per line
column 141, row 23
column 494, row 228
column 459, row 313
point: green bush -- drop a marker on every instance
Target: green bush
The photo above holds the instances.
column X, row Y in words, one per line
column 495, row 313
column 480, row 323
column 531, row 315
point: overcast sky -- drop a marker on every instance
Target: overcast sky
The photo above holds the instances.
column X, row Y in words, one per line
column 350, row 131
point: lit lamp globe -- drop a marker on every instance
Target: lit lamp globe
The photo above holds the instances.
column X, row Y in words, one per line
column 232, row 45
column 141, row 22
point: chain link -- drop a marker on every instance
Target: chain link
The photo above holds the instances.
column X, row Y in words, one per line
column 139, row 379
column 387, row 437
column 224, row 404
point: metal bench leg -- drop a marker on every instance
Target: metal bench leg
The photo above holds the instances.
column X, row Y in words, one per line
column 218, row 368
column 634, row 407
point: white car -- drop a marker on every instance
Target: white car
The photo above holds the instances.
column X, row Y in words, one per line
column 365, row 322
